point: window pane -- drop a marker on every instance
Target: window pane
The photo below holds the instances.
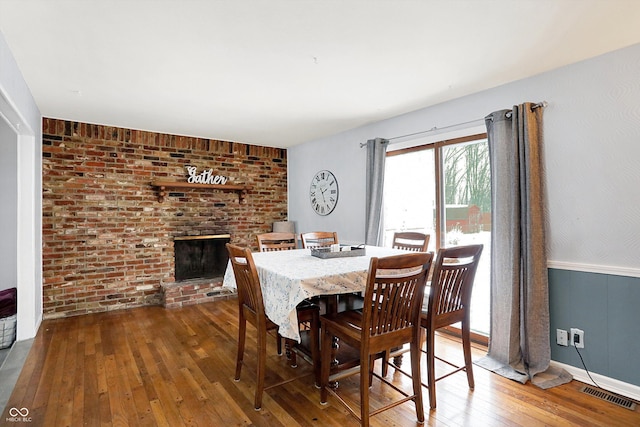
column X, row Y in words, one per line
column 467, row 194
column 410, row 195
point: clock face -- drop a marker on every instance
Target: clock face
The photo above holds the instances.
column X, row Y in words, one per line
column 323, row 192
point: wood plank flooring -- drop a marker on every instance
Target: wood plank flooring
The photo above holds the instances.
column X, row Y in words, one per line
column 157, row 367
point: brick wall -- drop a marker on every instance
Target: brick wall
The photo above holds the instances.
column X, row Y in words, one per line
column 108, row 242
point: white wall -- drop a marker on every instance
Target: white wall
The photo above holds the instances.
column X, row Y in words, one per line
column 20, row 113
column 8, row 206
column 592, row 152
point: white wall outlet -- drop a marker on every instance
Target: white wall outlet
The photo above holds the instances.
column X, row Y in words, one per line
column 562, row 337
column 577, row 337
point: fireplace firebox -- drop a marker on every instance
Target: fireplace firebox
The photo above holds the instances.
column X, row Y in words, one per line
column 200, row 257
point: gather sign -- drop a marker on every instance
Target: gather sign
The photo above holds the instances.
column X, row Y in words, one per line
column 204, row 177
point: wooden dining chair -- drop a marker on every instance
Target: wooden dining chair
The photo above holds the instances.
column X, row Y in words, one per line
column 320, row 239
column 410, row 241
column 449, row 302
column 276, row 241
column 316, row 239
column 251, row 308
column 394, row 292
column 282, row 241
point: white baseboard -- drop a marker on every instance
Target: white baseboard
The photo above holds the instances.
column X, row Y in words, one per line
column 625, row 389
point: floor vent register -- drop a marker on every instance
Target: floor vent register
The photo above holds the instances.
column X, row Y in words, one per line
column 609, row 397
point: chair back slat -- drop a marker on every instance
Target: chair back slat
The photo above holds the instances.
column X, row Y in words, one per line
column 453, row 276
column 410, row 241
column 268, row 242
column 318, row 239
column 395, row 287
column 247, row 281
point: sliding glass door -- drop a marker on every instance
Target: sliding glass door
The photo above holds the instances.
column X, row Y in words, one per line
column 444, row 189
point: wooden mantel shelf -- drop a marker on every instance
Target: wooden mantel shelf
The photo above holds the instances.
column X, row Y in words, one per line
column 163, row 185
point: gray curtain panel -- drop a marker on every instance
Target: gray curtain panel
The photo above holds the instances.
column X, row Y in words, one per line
column 376, row 155
column 519, row 345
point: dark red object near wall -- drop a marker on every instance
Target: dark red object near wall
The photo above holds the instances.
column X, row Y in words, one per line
column 8, row 302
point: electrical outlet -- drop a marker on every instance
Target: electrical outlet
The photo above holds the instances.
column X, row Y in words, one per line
column 577, row 337
column 562, row 337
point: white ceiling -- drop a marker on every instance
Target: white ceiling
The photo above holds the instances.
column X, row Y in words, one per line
column 283, row 72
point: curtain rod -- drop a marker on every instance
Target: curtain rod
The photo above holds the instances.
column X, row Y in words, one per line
column 435, row 128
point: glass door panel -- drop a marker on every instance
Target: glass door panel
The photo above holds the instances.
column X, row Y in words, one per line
column 467, row 215
column 410, row 195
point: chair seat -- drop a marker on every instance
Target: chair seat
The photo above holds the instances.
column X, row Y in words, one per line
column 346, row 324
column 306, row 304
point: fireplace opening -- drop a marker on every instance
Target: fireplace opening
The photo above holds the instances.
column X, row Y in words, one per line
column 200, row 257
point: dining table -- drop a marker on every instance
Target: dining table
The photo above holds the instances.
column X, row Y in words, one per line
column 289, row 277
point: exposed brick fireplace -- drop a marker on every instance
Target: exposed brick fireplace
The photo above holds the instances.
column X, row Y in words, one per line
column 108, row 242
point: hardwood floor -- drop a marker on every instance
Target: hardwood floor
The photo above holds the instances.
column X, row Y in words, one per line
column 157, row 367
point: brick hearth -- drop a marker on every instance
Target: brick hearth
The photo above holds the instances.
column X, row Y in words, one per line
column 108, row 241
column 194, row 291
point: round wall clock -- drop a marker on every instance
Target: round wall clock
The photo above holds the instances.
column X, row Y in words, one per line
column 323, row 192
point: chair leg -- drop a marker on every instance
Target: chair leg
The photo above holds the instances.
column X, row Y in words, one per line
column 431, row 366
column 242, row 333
column 262, row 361
column 417, row 380
column 279, row 344
column 291, row 354
column 372, row 361
column 325, row 364
column 365, row 383
column 385, row 363
column 466, row 348
column 315, row 348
